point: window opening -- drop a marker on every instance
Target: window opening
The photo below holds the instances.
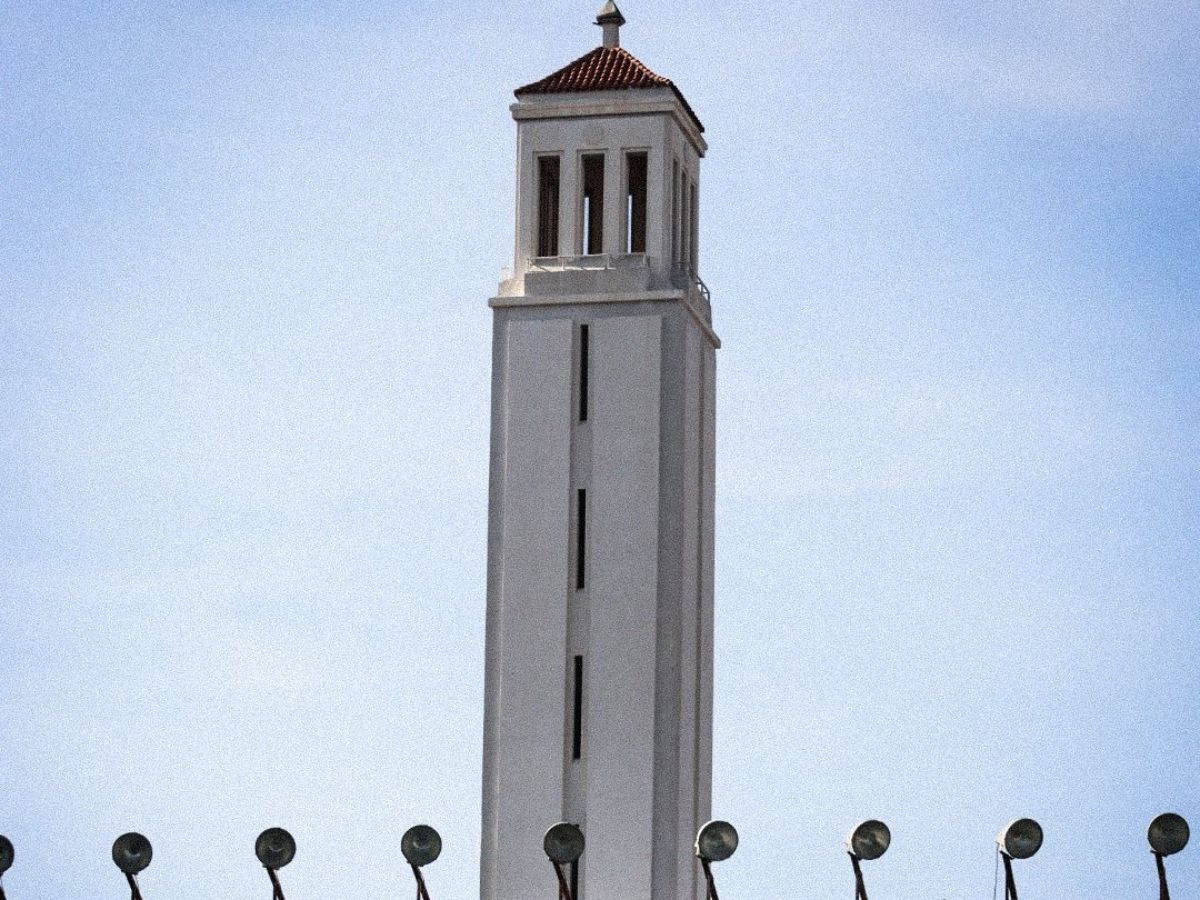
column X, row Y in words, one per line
column 635, row 203
column 694, row 259
column 685, row 226
column 548, row 180
column 580, row 537
column 593, row 203
column 675, row 211
column 583, row 373
column 577, row 715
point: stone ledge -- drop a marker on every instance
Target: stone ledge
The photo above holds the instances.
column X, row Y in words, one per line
column 679, row 297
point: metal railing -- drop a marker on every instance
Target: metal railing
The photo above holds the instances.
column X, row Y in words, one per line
column 589, row 262
column 688, row 279
column 682, row 276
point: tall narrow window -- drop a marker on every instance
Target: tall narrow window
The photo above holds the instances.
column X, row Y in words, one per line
column 547, row 233
column 675, row 212
column 635, row 203
column 593, row 203
column 580, row 538
column 694, row 259
column 583, row 373
column 577, row 712
column 685, row 225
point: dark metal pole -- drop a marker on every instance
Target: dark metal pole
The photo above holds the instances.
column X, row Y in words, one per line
column 860, row 889
column 1164, row 893
column 422, row 891
column 1010, row 885
column 564, row 889
column 712, row 885
column 2, row 890
column 276, row 887
column 133, row 887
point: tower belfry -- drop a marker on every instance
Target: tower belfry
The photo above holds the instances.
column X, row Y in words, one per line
column 600, row 529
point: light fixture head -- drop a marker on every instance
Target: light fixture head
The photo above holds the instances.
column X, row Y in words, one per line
column 1168, row 834
column 1020, row 839
column 6, row 854
column 132, row 853
column 275, row 848
column 563, row 843
column 870, row 840
column 421, row 845
column 716, row 841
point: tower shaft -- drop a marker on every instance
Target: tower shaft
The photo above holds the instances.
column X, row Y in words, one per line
column 600, row 538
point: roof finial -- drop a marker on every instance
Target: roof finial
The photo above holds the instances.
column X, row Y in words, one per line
column 611, row 20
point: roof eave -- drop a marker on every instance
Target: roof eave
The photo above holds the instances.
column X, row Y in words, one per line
column 665, row 100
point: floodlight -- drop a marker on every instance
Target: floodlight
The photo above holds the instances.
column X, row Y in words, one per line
column 716, row 841
column 132, row 853
column 421, row 845
column 6, row 860
column 563, row 843
column 1020, row 839
column 275, row 848
column 870, row 840
column 1168, row 834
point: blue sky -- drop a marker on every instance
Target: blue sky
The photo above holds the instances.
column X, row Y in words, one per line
column 245, row 250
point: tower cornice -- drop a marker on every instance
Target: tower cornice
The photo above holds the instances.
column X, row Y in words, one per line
column 603, row 103
column 680, row 297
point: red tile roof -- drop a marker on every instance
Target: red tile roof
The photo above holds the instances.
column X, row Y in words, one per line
column 604, row 69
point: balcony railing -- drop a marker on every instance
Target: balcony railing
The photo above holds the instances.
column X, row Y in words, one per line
column 619, row 272
column 688, row 280
column 589, row 262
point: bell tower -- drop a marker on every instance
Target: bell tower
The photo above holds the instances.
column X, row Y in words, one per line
column 600, row 526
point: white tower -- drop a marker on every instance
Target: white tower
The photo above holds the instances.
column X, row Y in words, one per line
column 600, row 529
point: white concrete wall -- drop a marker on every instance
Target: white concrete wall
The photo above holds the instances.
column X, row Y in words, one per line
column 704, row 696
column 621, row 661
column 526, row 641
column 613, row 134
column 690, row 577
column 643, row 622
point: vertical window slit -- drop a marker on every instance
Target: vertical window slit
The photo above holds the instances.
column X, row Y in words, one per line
column 593, row 204
column 685, row 223
column 577, row 714
column 694, row 234
column 675, row 212
column 580, row 538
column 583, row 373
column 635, row 205
column 547, row 231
